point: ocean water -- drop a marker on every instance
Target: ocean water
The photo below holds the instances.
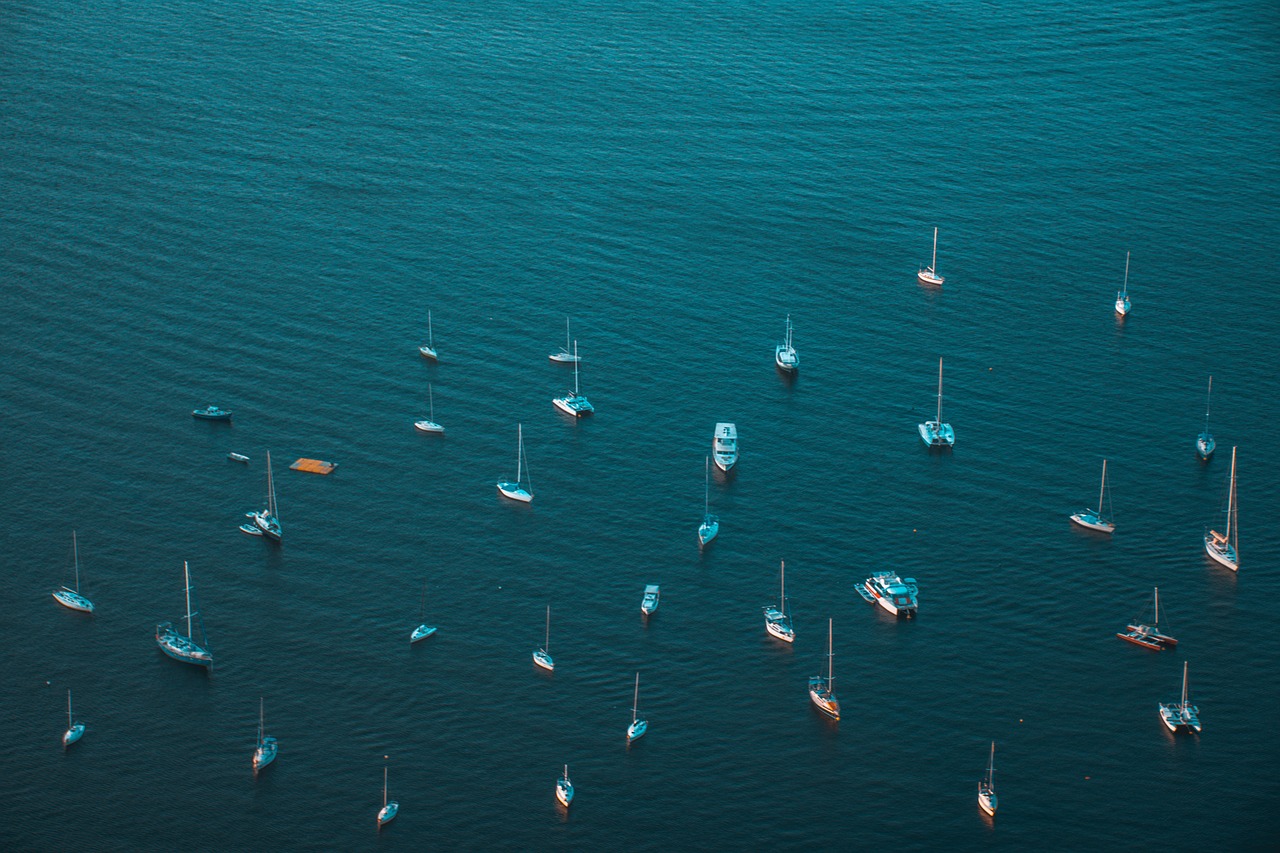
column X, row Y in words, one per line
column 256, row 205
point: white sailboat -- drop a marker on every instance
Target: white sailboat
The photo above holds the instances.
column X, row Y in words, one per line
column 429, row 425
column 75, row 730
column 1122, row 296
column 1095, row 519
column 638, row 727
column 573, row 402
column 429, row 351
column 1222, row 546
column 265, row 752
column 1181, row 716
column 1204, row 441
column 542, row 656
column 423, row 630
column 182, row 647
column 929, row 275
column 69, row 597
column 935, row 433
column 515, row 490
column 564, row 789
column 987, row 787
column 776, row 620
column 822, row 690
column 785, row 355
column 390, row 809
column 267, row 520
column 565, row 356
column 710, row 525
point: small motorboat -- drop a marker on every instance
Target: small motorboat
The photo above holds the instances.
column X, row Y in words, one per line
column 211, row 413
column 649, row 603
column 250, row 529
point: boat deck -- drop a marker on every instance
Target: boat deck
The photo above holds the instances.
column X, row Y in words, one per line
column 314, row 466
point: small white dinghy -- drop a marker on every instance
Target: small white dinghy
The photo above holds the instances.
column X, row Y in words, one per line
column 75, row 730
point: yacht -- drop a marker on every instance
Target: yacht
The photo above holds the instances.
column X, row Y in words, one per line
column 69, row 597
column 542, row 657
column 935, row 433
column 429, row 425
column 785, row 355
column 1094, row 519
column 1150, row 636
column 75, row 730
column 1223, row 547
column 1181, row 716
column 710, row 525
column 573, row 402
column 429, row 349
column 724, row 446
column 267, row 519
column 1204, row 441
column 1122, row 296
column 265, row 753
column 517, row 490
column 649, row 603
column 895, row 594
column 929, row 274
column 638, row 727
column 211, row 413
column 565, row 356
column 776, row 620
column 389, row 809
column 822, row 690
column 987, row 800
column 183, row 647
column 564, row 789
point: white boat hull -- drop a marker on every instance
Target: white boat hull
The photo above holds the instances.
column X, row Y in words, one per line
column 928, row 276
column 708, row 530
column 265, row 754
column 824, row 701
column 573, row 404
column 636, row 730
column 934, row 434
column 73, row 734
column 724, row 446
column 786, row 359
column 515, row 492
column 987, row 801
column 388, row 813
column 74, row 600
column 1226, row 555
column 427, row 352
column 421, row 633
column 428, row 426
column 542, row 659
column 564, row 793
column 1090, row 519
column 778, row 625
column 1176, row 719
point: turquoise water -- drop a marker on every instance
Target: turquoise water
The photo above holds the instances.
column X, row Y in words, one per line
column 256, row 205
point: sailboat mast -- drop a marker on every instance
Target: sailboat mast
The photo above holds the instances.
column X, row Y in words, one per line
column 260, row 721
column 68, row 707
column 1126, row 274
column 933, row 265
column 519, row 450
column 706, row 483
column 271, row 488
column 782, row 583
column 431, row 343
column 1184, row 687
column 546, row 643
column 1102, row 489
column 939, row 421
column 831, row 675
column 1157, row 608
column 384, row 786
column 566, row 334
column 575, row 368
column 187, row 574
column 1207, row 398
column 635, row 701
column 431, row 401
column 1231, row 496
column 75, row 550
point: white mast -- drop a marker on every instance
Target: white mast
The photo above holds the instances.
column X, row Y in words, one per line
column 431, row 401
column 1103, row 488
column 782, row 574
column 939, row 421
column 1157, row 606
column 1125, row 292
column 575, row 368
column 384, row 783
column 635, row 702
column 1207, row 397
column 260, row 721
column 519, row 450
column 831, row 676
column 75, row 549
column 546, row 644
column 271, row 489
column 933, row 265
column 187, row 574
column 69, row 709
column 431, row 344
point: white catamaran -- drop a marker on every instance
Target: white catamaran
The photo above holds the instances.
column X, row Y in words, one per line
column 573, row 402
column 1181, row 716
column 1222, row 546
column 935, row 433
column 267, row 520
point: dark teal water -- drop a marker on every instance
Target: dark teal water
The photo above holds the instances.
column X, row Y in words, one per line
column 256, row 205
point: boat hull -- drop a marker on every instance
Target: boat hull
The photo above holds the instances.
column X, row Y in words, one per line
column 637, row 730
column 428, row 426
column 724, row 446
column 1091, row 520
column 564, row 793
column 778, row 625
column 421, row 633
column 269, row 525
column 265, row 753
column 427, row 352
column 515, row 492
column 824, row 700
column 786, row 359
column 73, row 734
column 73, row 600
column 388, row 813
column 1205, row 445
column 564, row 358
column 1177, row 718
column 213, row 413
column 708, row 530
column 987, row 801
column 1224, row 554
column 181, row 648
column 542, row 659
column 894, row 594
column 928, row 276
column 574, row 404
column 934, row 434
column 1139, row 638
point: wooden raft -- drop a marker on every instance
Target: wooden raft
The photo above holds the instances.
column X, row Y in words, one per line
column 314, row 466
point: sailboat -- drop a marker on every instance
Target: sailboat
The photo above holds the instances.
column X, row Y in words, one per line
column 265, row 753
column 564, row 356
column 429, row 351
column 1204, row 441
column 822, row 690
column 182, row 647
column 1148, row 636
column 267, row 521
column 75, row 730
column 429, row 425
column 72, row 598
column 987, row 787
column 1222, row 546
column 710, row 525
column 935, row 433
column 1181, row 716
column 573, row 402
column 638, row 726
column 1094, row 518
column 1122, row 296
column 389, row 810
column 515, row 491
column 785, row 355
column 929, row 275
column 776, row 620
column 423, row 630
column 564, row 789
column 542, row 657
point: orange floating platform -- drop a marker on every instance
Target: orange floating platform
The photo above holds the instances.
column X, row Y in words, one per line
column 314, row 466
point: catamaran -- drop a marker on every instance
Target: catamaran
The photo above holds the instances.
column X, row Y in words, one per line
column 267, row 520
column 785, row 355
column 987, row 787
column 929, row 275
column 822, row 690
column 1204, row 441
column 564, row 789
column 429, row 351
column 423, row 630
column 265, row 752
column 429, row 425
column 724, row 446
column 1094, row 519
column 573, row 402
column 895, row 594
column 515, row 490
column 1122, row 296
column 1148, row 636
column 776, row 620
column 542, row 656
column 638, row 727
column 390, row 809
column 565, row 356
column 1181, row 716
column 183, row 647
column 710, row 525
column 1222, row 546
column 75, row 730
column 69, row 597
column 935, row 433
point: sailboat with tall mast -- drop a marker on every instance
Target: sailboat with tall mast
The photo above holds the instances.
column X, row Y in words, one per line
column 183, row 647
column 75, row 730
column 1222, row 546
column 423, row 630
column 564, row 789
column 1181, row 716
column 1148, row 636
column 1122, row 296
column 987, row 787
column 776, row 620
column 935, row 433
column 710, row 525
column 391, row 808
column 265, row 752
column 785, row 355
column 929, row 274
column 428, row 351
column 1095, row 519
column 67, row 596
column 1204, row 441
column 573, row 402
column 822, row 690
column 542, row 656
column 638, row 727
column 267, row 520
column 565, row 356
column 515, row 490
column 429, row 425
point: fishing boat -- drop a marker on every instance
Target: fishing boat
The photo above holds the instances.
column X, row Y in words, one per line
column 785, row 355
column 1222, row 546
column 573, row 402
column 935, row 433
column 265, row 752
column 211, row 413
column 542, row 656
column 1122, row 296
column 776, row 620
column 987, row 787
column 183, row 647
column 67, row 596
column 1148, row 636
column 75, row 730
column 1204, row 441
column 822, row 690
column 390, row 809
column 428, row 351
column 564, row 789
column 710, row 525
column 638, row 727
column 649, row 603
column 565, row 356
column 1095, row 519
column 237, row 457
column 895, row 594
column 423, row 630
column 267, row 520
column 429, row 425
column 724, row 446
column 929, row 274
column 515, row 490
column 1181, row 716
